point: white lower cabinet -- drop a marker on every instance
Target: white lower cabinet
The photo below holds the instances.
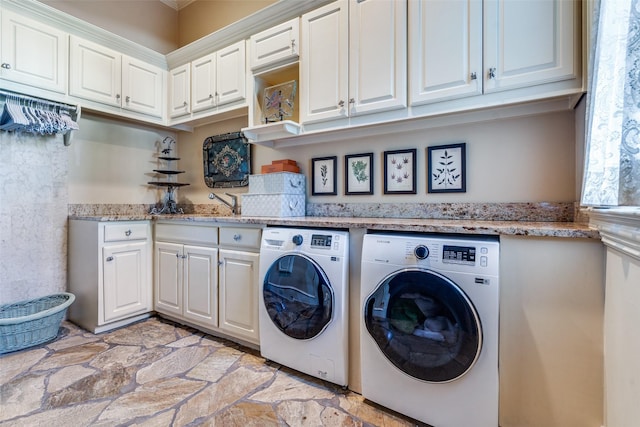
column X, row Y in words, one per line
column 187, row 282
column 109, row 273
column 239, row 294
column 208, row 281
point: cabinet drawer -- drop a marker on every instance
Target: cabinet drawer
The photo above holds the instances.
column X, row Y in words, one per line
column 240, row 237
column 183, row 233
column 118, row 232
column 275, row 45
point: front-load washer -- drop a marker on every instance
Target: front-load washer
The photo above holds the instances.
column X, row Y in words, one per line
column 429, row 327
column 304, row 301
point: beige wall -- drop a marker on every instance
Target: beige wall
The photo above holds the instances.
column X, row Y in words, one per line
column 111, row 161
column 201, row 18
column 528, row 159
column 149, row 23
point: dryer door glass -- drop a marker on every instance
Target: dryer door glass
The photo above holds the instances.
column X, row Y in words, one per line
column 298, row 296
column 424, row 324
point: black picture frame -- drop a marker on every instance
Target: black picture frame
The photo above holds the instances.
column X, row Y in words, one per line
column 324, row 176
column 358, row 174
column 400, row 171
column 447, row 168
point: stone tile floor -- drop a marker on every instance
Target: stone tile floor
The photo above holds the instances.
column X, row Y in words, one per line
column 157, row 373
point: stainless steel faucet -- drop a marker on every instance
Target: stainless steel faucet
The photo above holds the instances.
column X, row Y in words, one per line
column 234, row 201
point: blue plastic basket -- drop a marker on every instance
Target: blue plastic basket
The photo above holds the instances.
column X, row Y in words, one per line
column 28, row 323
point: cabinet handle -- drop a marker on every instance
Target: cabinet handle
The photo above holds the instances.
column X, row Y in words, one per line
column 183, row 257
column 127, row 99
column 341, row 104
column 184, row 104
column 293, row 46
column 220, row 262
column 474, row 76
column 352, row 101
column 109, row 258
column 127, row 233
column 117, row 96
column 237, row 237
column 492, row 73
column 6, row 66
column 210, row 96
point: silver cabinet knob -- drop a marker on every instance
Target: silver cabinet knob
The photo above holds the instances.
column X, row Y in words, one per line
column 474, row 76
column 127, row 233
column 492, row 73
column 6, row 66
column 117, row 96
column 352, row 101
column 341, row 104
column 184, row 104
column 237, row 237
column 127, row 99
column 109, row 258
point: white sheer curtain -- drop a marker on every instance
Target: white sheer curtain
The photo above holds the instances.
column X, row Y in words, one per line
column 612, row 160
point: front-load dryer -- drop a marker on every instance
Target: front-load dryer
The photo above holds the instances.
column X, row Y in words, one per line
column 304, row 301
column 429, row 327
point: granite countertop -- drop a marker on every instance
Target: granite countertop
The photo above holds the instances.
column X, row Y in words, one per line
column 456, row 226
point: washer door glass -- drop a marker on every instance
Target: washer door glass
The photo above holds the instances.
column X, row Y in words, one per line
column 424, row 324
column 298, row 296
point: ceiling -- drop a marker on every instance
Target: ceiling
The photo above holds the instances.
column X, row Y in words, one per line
column 177, row 4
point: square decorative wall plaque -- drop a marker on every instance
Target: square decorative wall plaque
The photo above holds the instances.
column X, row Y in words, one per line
column 447, row 168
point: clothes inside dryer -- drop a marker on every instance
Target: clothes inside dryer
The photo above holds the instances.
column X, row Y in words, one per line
column 298, row 297
column 424, row 324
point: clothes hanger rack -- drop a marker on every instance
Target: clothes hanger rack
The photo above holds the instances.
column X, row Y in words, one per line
column 25, row 113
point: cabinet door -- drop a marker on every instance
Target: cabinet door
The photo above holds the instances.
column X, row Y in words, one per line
column 445, row 49
column 528, row 42
column 126, row 285
column 275, row 45
column 231, row 73
column 324, row 62
column 33, row 53
column 239, row 294
column 377, row 55
column 180, row 91
column 94, row 72
column 203, row 83
column 201, row 285
column 142, row 87
column 168, row 278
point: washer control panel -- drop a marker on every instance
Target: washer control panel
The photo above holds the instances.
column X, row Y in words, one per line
column 459, row 254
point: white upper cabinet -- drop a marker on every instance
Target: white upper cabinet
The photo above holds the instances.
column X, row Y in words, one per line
column 95, row 72
column 231, row 73
column 520, row 44
column 445, row 49
column 324, row 79
column 218, row 78
column 275, row 45
column 377, row 55
column 103, row 75
column 353, row 59
column 142, row 86
column 180, row 91
column 33, row 54
column 528, row 42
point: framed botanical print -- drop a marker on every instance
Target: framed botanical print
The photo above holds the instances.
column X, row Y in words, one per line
column 447, row 168
column 358, row 174
column 400, row 171
column 324, row 176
